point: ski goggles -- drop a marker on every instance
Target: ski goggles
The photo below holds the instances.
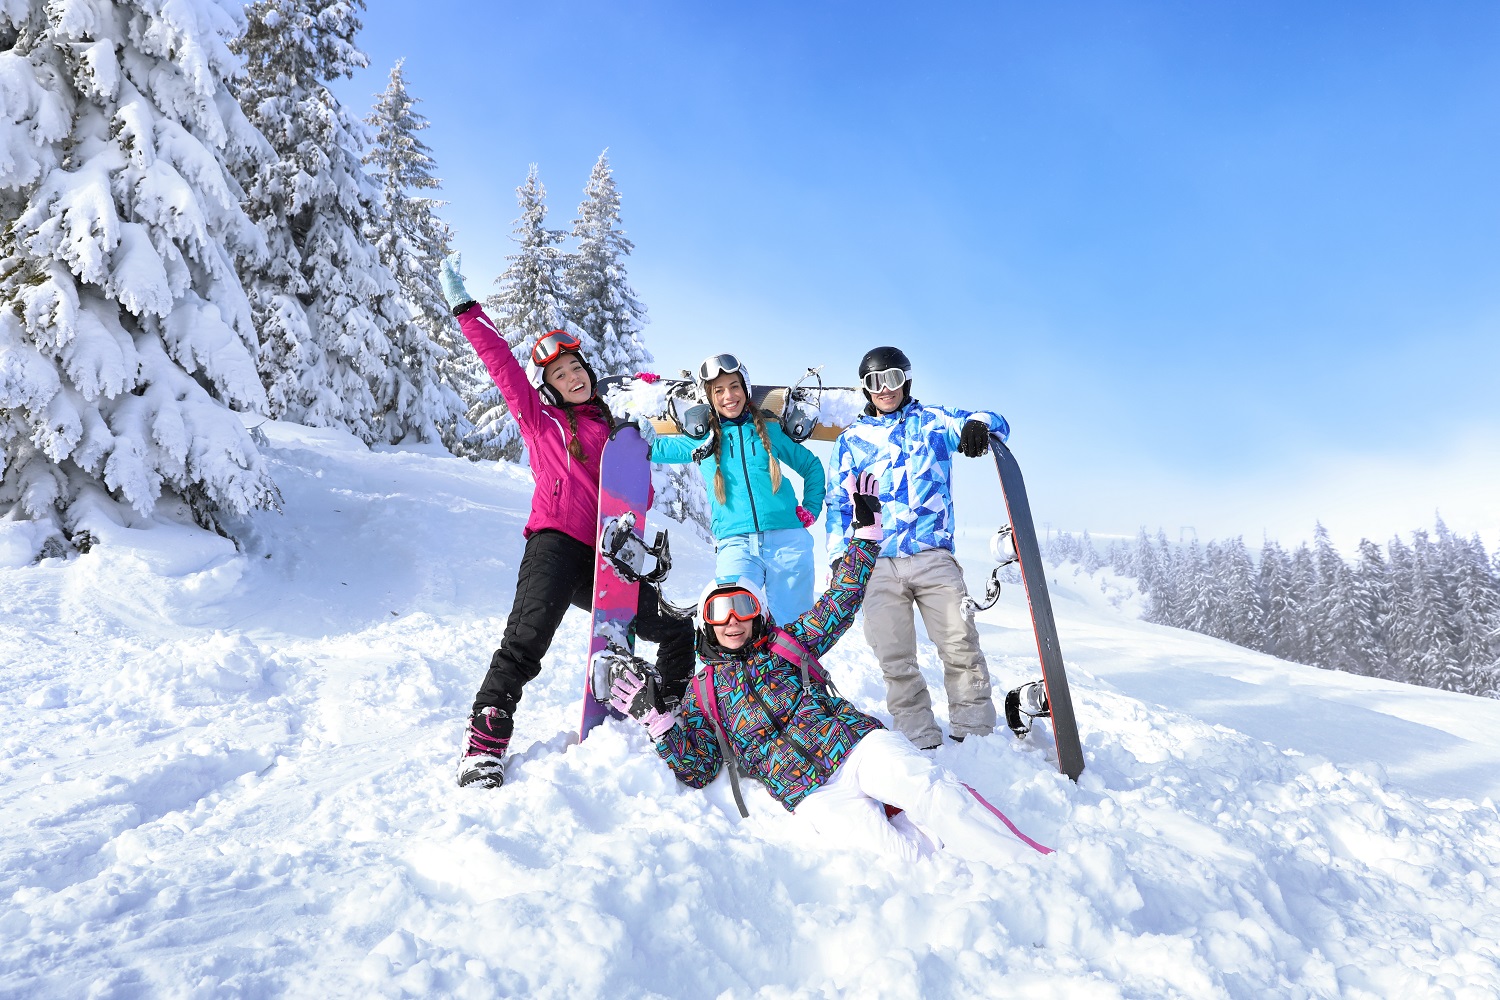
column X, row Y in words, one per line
column 717, row 365
column 740, row 604
column 887, row 381
column 550, row 346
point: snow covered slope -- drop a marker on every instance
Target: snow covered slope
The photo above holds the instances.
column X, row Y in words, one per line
column 231, row 774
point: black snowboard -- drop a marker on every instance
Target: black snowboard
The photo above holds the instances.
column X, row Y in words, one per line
column 1064, row 725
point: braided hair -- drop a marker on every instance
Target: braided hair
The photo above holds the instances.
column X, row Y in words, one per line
column 575, row 447
column 720, row 493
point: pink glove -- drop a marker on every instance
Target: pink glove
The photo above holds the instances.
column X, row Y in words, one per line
column 806, row 516
column 624, row 698
column 650, row 378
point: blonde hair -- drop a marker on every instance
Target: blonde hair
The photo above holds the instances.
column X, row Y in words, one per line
column 720, row 493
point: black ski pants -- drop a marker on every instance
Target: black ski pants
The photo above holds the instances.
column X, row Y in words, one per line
column 558, row 570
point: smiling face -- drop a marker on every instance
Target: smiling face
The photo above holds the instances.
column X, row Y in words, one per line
column 567, row 375
column 733, row 634
column 888, row 400
column 727, row 394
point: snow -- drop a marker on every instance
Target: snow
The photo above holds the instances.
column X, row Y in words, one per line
column 231, row 774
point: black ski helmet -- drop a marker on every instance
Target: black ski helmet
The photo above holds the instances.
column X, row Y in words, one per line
column 880, row 359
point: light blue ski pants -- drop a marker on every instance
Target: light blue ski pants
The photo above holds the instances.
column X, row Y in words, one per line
column 780, row 562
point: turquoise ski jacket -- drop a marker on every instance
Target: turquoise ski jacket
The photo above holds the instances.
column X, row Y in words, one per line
column 750, row 505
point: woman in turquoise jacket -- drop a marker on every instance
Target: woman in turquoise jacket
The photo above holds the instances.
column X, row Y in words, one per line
column 760, row 529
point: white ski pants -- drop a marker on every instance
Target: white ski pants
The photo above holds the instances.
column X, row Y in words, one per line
column 885, row 768
column 934, row 582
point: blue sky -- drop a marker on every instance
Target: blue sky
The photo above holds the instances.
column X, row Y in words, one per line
column 1227, row 266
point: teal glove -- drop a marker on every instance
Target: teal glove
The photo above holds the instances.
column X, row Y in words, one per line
column 453, row 282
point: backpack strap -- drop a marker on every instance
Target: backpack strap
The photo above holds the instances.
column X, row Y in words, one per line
column 708, row 700
column 786, row 646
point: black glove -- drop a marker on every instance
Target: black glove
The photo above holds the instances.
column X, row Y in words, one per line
column 865, row 494
column 974, row 439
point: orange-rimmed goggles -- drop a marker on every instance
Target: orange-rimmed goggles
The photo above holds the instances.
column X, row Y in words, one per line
column 740, row 604
column 551, row 345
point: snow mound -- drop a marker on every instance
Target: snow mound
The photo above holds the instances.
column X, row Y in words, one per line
column 246, row 787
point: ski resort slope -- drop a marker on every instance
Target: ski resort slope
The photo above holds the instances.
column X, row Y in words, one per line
column 231, row 774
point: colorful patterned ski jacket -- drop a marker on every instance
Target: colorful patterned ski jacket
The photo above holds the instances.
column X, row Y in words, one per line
column 911, row 452
column 566, row 496
column 792, row 738
column 750, row 504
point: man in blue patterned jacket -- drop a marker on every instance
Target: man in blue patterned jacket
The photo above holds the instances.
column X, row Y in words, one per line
column 909, row 448
column 819, row 756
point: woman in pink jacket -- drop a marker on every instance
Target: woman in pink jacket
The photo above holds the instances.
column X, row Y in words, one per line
column 564, row 425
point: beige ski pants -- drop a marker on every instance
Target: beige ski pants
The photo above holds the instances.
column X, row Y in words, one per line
column 933, row 581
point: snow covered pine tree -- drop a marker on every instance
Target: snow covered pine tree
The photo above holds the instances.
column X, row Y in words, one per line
column 326, row 309
column 125, row 336
column 530, row 302
column 435, row 369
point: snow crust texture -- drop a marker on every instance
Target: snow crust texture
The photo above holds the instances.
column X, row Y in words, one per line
column 231, row 774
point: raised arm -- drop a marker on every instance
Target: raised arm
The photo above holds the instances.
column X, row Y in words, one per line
column 520, row 395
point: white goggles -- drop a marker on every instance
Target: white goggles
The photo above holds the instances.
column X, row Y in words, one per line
column 886, row 381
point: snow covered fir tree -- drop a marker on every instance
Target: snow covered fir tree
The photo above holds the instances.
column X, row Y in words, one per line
column 126, row 339
column 435, row 368
column 601, row 302
column 530, row 301
column 1425, row 612
column 328, row 312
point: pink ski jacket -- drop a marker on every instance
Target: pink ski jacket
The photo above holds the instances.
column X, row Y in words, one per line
column 566, row 497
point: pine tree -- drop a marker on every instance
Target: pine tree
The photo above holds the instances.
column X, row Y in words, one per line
column 126, row 339
column 327, row 310
column 601, row 302
column 1240, row 617
column 530, row 302
column 435, row 369
column 1302, row 596
column 1342, row 632
column 1277, row 602
column 1372, row 602
column 1165, row 593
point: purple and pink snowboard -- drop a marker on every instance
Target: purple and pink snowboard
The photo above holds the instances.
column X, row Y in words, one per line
column 624, row 493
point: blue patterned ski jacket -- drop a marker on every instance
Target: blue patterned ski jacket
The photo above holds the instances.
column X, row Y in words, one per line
column 911, row 452
column 792, row 738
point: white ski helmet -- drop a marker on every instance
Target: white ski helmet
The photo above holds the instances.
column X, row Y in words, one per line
column 721, row 364
column 758, row 607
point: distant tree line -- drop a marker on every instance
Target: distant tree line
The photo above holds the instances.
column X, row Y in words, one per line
column 1424, row 612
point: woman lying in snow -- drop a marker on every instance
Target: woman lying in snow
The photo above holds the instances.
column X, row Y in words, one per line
column 760, row 700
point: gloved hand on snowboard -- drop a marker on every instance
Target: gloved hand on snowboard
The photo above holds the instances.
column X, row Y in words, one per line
column 647, row 429
column 632, row 692
column 974, row 439
column 452, row 281
column 864, row 491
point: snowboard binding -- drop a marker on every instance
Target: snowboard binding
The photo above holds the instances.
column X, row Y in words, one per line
column 1003, row 548
column 803, row 407
column 628, row 553
column 1025, row 705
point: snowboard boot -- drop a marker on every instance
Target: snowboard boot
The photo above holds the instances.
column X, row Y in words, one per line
column 1025, row 704
column 483, row 762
